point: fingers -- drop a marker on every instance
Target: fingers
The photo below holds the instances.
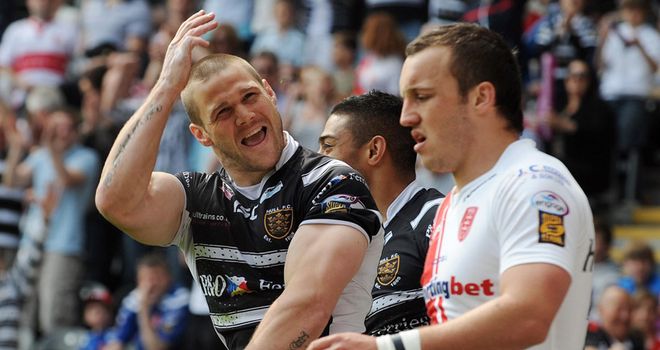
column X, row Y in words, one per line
column 322, row 343
column 197, row 24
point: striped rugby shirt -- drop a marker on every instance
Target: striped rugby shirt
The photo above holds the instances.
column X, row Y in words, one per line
column 235, row 240
column 398, row 301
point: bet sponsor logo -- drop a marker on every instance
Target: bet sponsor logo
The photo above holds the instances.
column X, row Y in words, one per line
column 341, row 203
column 448, row 289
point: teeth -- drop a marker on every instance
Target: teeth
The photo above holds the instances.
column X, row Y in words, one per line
column 253, row 133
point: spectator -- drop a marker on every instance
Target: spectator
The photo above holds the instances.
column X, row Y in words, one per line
column 97, row 315
column 629, row 59
column 614, row 331
column 306, row 117
column 380, row 66
column 74, row 170
column 237, row 13
column 115, row 25
column 152, row 316
column 408, row 14
column 565, row 34
column 583, row 132
column 224, row 39
column 638, row 269
column 19, row 266
column 343, row 57
column 40, row 104
column 285, row 41
column 364, row 131
column 36, row 50
column 606, row 272
column 644, row 318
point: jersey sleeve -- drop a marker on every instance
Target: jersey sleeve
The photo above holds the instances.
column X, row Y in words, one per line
column 540, row 220
column 341, row 197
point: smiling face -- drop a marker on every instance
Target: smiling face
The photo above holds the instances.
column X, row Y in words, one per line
column 240, row 122
column 435, row 110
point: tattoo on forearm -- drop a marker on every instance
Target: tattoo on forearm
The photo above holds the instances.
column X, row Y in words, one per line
column 124, row 143
column 300, row 341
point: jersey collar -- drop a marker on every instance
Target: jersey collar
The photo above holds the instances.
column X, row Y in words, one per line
column 401, row 200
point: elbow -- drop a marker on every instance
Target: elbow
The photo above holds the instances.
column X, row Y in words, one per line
column 107, row 204
column 533, row 331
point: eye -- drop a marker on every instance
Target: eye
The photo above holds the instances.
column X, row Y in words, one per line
column 249, row 97
column 420, row 97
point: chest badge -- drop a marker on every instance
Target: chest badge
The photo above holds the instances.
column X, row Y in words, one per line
column 466, row 223
column 388, row 270
column 278, row 222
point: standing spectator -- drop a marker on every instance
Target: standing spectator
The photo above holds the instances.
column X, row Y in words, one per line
column 18, row 269
column 565, row 34
column 343, row 56
column 36, row 50
column 305, row 118
column 152, row 316
column 364, row 131
column 614, row 331
column 120, row 25
column 224, row 39
column 74, row 170
column 409, row 14
column 629, row 59
column 380, row 66
column 583, row 132
column 638, row 268
column 40, row 104
column 237, row 13
column 285, row 41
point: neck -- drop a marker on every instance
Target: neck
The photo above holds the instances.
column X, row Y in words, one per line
column 485, row 151
column 385, row 188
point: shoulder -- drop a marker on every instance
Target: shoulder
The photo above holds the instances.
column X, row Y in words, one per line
column 317, row 168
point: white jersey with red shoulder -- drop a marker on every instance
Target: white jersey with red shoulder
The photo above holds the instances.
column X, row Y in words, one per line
column 526, row 209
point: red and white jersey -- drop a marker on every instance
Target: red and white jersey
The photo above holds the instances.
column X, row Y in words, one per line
column 38, row 52
column 526, row 209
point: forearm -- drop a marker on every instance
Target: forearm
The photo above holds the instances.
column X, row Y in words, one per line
column 653, row 65
column 127, row 171
column 68, row 178
column 503, row 323
column 10, row 177
column 148, row 335
column 292, row 322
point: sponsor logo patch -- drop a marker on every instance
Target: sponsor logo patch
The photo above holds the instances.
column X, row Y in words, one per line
column 388, row 270
column 551, row 229
column 341, row 203
column 237, row 286
column 278, row 222
column 552, row 209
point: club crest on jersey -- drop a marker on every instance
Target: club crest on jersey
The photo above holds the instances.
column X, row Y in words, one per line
column 552, row 209
column 388, row 270
column 466, row 222
column 278, row 222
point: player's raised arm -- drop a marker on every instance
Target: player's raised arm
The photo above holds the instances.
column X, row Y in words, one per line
column 148, row 205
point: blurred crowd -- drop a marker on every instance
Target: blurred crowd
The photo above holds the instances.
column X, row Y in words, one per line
column 72, row 72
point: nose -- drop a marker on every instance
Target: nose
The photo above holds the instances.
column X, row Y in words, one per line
column 409, row 116
column 243, row 115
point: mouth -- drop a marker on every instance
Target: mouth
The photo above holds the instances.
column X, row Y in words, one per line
column 255, row 137
column 419, row 139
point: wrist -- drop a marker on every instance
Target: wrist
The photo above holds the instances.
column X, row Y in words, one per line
column 408, row 340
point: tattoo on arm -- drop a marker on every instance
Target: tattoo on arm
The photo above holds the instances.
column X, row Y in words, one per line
column 129, row 136
column 300, row 341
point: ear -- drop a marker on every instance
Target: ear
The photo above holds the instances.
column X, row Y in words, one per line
column 200, row 134
column 376, row 150
column 269, row 91
column 483, row 97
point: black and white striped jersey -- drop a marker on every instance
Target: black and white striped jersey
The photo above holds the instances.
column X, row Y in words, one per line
column 398, row 301
column 235, row 239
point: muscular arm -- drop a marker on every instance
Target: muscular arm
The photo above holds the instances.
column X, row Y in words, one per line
column 320, row 262
column 519, row 318
column 144, row 204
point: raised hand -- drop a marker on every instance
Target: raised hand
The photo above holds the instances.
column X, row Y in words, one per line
column 178, row 58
